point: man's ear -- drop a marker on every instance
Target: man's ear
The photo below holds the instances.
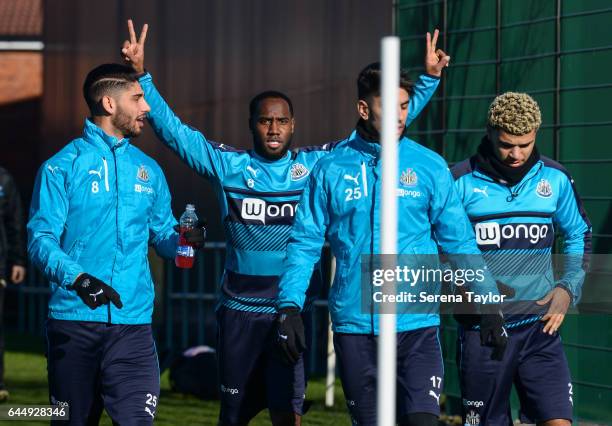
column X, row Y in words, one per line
column 108, row 105
column 363, row 109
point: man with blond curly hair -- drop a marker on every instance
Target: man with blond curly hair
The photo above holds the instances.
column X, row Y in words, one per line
column 516, row 200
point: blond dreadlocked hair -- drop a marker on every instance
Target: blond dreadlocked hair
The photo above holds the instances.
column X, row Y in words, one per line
column 514, row 113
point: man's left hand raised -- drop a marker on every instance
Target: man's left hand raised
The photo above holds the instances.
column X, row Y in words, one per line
column 435, row 59
column 133, row 49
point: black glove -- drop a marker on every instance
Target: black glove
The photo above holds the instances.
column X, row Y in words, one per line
column 492, row 331
column 505, row 290
column 195, row 237
column 290, row 334
column 95, row 293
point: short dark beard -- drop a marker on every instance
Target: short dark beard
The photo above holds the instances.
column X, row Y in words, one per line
column 273, row 156
column 121, row 121
column 367, row 131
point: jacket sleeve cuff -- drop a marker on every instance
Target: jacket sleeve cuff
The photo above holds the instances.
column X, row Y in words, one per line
column 287, row 304
column 70, row 277
column 145, row 77
column 566, row 288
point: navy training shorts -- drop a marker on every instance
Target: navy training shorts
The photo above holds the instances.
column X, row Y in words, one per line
column 420, row 373
column 534, row 362
column 94, row 366
column 252, row 376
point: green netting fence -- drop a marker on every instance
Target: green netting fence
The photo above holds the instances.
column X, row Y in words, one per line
column 560, row 52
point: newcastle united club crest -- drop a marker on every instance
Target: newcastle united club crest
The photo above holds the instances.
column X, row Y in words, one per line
column 472, row 419
column 408, row 178
column 544, row 189
column 298, row 171
column 143, row 174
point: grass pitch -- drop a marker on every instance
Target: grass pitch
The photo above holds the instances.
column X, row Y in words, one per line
column 26, row 380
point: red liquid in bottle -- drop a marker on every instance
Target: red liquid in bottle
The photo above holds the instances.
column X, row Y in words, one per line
column 185, row 254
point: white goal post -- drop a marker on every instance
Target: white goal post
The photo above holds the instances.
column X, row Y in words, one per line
column 387, row 346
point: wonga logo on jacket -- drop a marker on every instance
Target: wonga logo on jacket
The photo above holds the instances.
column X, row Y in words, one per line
column 521, row 234
column 255, row 209
column 524, row 235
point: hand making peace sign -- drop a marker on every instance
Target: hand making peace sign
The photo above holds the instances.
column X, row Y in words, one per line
column 133, row 50
column 435, row 60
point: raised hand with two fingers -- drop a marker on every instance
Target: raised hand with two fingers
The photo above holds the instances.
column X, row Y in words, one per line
column 133, row 49
column 435, row 59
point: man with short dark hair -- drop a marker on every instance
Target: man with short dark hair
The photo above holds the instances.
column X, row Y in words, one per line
column 97, row 205
column 341, row 203
column 12, row 252
column 517, row 200
column 258, row 191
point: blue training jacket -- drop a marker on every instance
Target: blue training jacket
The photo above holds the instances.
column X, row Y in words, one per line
column 96, row 206
column 515, row 229
column 258, row 198
column 342, row 201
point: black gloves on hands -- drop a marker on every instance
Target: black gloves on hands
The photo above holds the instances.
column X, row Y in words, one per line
column 195, row 237
column 95, row 293
column 492, row 331
column 505, row 290
column 290, row 334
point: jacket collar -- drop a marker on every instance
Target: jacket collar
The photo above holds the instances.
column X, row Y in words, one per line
column 372, row 148
column 488, row 163
column 94, row 134
column 280, row 161
column 364, row 146
column 530, row 174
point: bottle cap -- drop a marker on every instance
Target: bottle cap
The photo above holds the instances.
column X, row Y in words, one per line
column 190, row 207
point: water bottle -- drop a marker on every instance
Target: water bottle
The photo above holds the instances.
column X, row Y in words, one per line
column 185, row 253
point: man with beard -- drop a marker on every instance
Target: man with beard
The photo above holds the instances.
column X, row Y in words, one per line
column 96, row 206
column 517, row 199
column 258, row 191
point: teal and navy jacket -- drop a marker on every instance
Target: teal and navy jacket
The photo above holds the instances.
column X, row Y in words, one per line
column 96, row 207
column 258, row 198
column 342, row 201
column 515, row 229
